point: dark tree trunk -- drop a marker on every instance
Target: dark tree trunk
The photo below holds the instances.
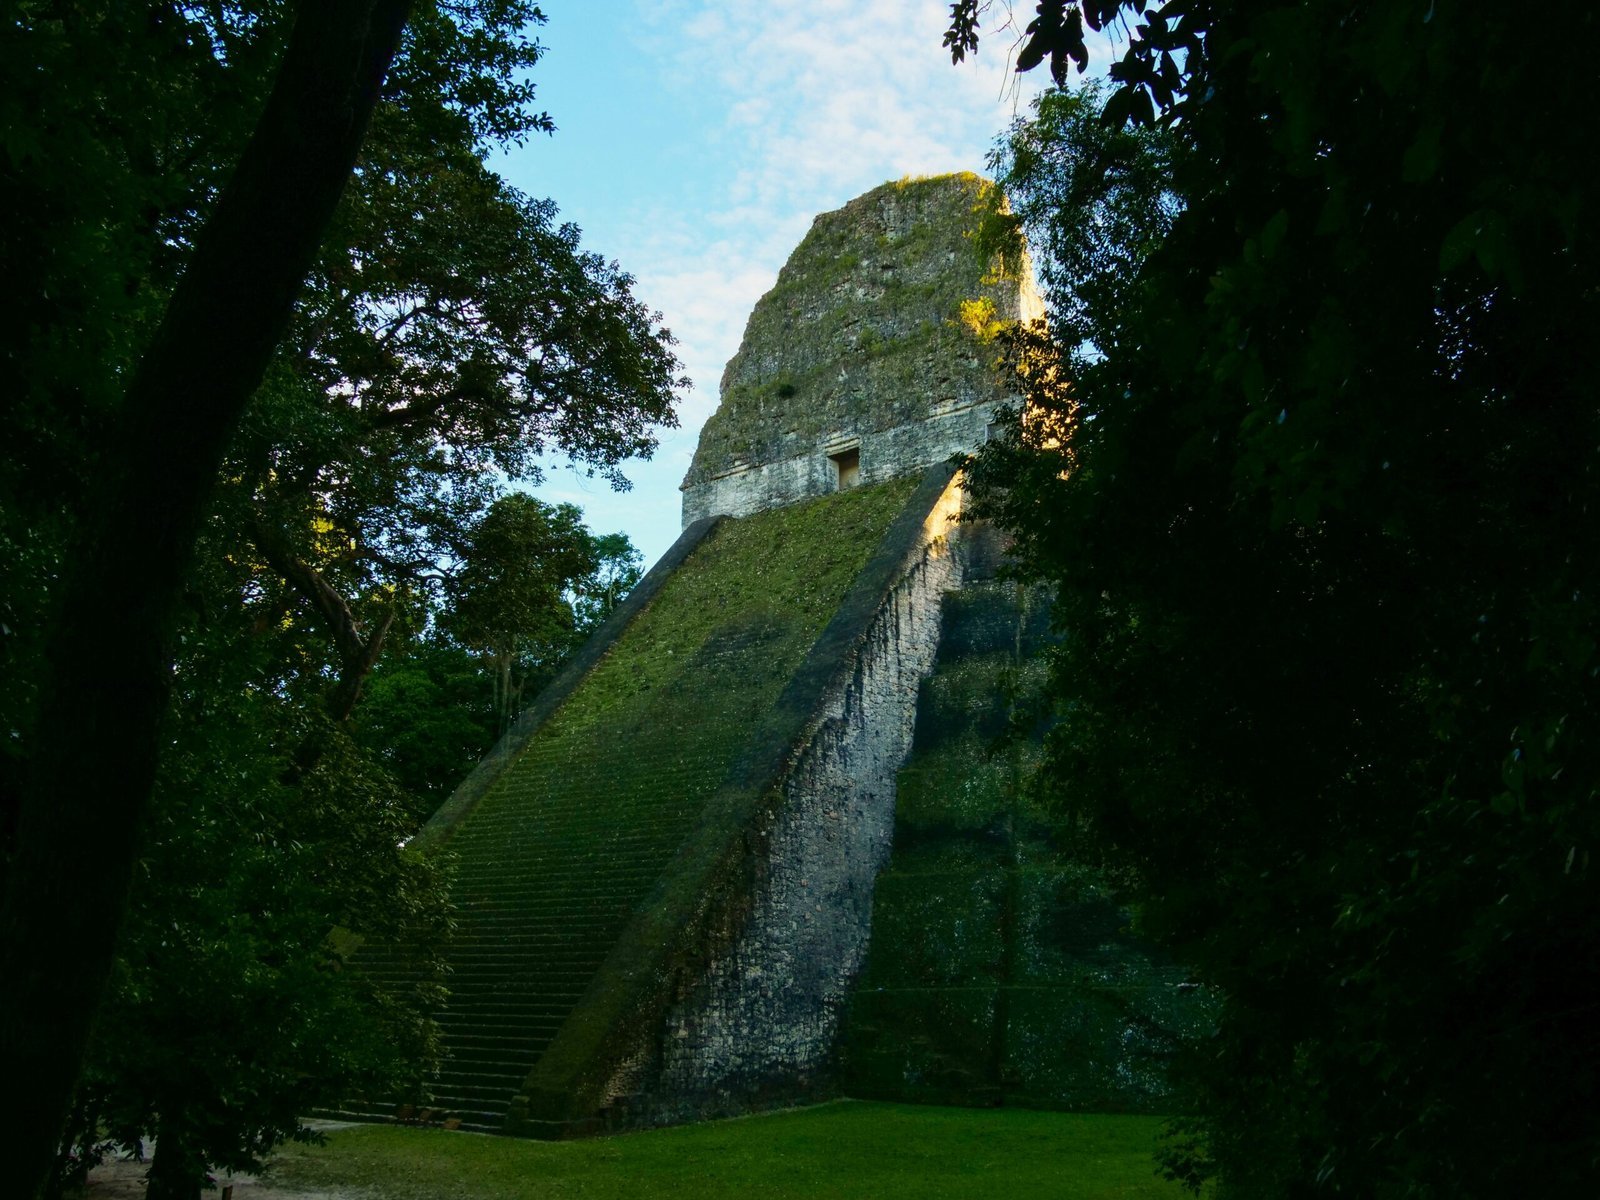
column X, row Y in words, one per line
column 93, row 759
column 177, row 1171
column 358, row 651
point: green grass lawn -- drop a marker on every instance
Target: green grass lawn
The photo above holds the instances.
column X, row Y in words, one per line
column 846, row 1149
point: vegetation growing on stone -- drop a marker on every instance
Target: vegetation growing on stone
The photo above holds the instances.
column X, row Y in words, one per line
column 1003, row 969
column 576, row 832
column 863, row 328
column 774, row 578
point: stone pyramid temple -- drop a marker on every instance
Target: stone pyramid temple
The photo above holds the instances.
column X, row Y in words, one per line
column 768, row 838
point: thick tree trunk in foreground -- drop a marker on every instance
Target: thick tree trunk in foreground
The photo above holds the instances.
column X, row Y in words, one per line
column 94, row 755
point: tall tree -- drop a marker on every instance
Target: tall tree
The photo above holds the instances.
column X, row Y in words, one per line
column 618, row 567
column 532, row 586
column 450, row 330
column 1316, row 501
column 88, row 775
column 453, row 334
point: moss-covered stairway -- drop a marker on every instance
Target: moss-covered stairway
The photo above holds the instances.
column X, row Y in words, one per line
column 572, row 840
column 1001, row 970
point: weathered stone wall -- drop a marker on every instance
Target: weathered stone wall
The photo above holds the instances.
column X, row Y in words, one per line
column 731, row 895
column 762, row 1022
column 885, row 454
column 1002, row 968
column 563, row 834
column 666, row 880
column 862, row 344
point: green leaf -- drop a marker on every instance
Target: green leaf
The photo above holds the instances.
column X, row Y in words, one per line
column 1272, row 233
column 1460, row 242
column 1421, row 160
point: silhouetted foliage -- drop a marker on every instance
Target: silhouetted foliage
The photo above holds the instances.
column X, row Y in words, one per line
column 76, row 785
column 1310, row 456
column 158, row 536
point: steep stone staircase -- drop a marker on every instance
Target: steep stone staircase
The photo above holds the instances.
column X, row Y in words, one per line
column 550, row 871
column 566, row 846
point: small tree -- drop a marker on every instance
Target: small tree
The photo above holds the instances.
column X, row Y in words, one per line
column 510, row 603
column 618, row 568
column 229, row 1015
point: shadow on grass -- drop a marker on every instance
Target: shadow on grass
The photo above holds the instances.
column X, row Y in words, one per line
column 845, row 1149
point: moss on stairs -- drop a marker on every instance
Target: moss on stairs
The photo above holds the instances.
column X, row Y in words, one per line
column 566, row 844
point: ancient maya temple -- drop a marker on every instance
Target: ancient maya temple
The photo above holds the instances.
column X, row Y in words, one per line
column 764, row 840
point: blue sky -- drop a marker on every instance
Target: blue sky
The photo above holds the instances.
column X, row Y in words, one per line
column 696, row 140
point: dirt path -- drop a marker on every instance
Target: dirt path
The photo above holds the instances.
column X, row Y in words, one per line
column 123, row 1179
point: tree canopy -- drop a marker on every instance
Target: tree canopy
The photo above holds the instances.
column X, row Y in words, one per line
column 257, row 414
column 1309, row 455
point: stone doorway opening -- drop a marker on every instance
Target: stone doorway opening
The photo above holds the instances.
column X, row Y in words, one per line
column 847, row 467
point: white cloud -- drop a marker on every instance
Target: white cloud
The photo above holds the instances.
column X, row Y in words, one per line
column 820, row 101
column 799, row 106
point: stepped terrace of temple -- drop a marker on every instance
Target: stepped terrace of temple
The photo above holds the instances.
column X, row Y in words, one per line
column 700, row 876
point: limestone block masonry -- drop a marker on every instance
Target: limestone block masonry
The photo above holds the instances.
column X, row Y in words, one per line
column 760, row 1025
column 726, row 989
column 665, row 875
column 867, row 360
